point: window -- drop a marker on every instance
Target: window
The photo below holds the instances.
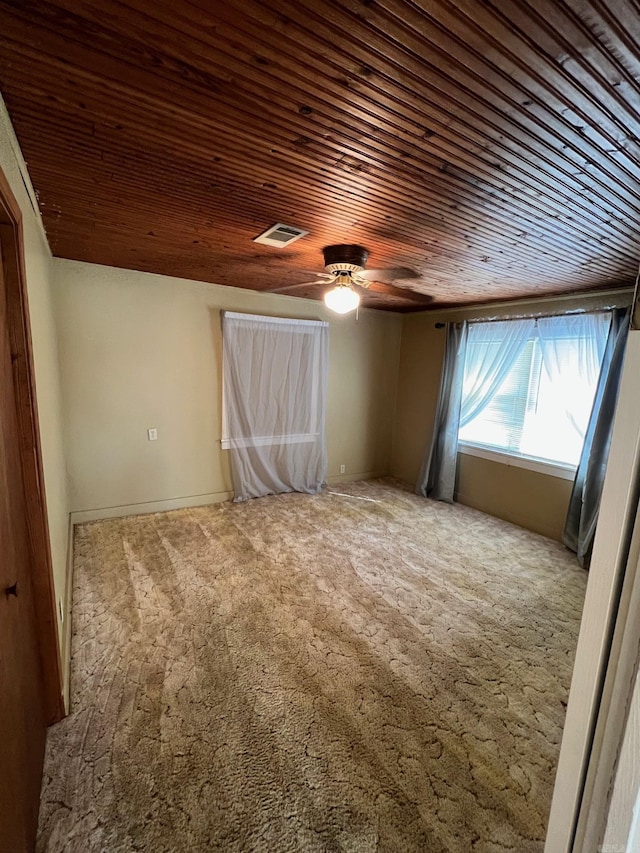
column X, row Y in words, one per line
column 273, row 403
column 540, row 400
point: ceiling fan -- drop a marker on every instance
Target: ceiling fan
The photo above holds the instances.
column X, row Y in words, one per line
column 345, row 270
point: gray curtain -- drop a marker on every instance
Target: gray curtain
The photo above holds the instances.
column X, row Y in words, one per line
column 437, row 478
column 582, row 517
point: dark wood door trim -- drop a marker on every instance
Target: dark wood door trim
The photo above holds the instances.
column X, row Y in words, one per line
column 12, row 252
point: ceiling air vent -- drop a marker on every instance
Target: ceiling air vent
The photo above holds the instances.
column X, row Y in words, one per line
column 280, row 235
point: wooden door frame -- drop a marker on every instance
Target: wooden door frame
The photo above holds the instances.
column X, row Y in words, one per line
column 15, row 282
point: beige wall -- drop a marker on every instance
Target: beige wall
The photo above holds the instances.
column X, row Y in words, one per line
column 140, row 350
column 45, row 356
column 530, row 499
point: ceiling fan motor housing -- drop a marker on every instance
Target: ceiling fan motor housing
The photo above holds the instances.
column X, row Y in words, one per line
column 344, row 258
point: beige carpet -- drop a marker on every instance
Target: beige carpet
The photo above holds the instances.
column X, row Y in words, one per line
column 343, row 672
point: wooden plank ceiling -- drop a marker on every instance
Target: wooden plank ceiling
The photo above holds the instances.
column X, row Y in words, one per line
column 492, row 147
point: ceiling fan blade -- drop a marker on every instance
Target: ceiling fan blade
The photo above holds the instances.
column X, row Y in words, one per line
column 390, row 274
column 399, row 292
column 296, row 286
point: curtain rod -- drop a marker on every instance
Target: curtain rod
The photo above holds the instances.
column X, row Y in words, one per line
column 527, row 307
column 602, row 309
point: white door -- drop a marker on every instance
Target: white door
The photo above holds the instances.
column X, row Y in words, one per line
column 580, row 749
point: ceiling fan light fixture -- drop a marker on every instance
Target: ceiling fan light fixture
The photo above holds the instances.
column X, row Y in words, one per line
column 342, row 299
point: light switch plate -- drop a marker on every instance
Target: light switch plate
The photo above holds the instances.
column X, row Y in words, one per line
column 152, row 434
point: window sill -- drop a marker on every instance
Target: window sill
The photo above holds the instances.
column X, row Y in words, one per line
column 552, row 469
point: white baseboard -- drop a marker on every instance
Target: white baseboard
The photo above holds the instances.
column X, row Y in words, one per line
column 351, row 478
column 150, row 506
column 80, row 516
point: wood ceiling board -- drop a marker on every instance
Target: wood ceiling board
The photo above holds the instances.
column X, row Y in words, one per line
column 137, row 155
column 493, row 148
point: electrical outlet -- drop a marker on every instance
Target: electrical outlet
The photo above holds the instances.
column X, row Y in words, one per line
column 152, row 434
column 343, row 468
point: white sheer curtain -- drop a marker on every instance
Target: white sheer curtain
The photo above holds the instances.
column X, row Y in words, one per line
column 274, row 400
column 492, row 350
column 572, row 348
